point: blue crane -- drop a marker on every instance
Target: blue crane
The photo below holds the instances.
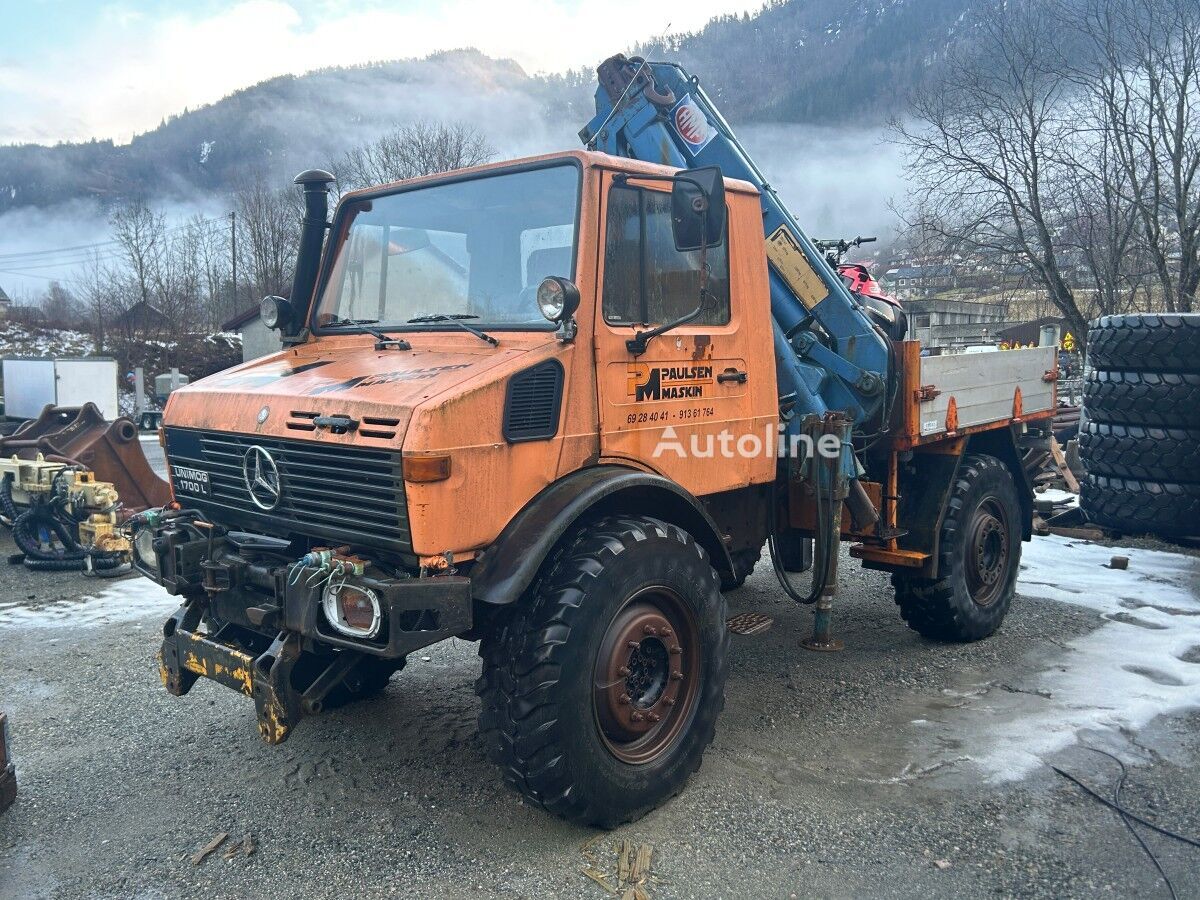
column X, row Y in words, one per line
column 829, row 354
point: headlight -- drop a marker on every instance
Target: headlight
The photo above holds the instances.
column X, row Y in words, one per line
column 352, row 610
column 143, row 546
column 557, row 298
column 275, row 312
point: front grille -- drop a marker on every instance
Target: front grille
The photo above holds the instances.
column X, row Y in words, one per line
column 345, row 495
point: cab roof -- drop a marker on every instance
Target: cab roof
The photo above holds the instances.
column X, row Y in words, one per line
column 586, row 158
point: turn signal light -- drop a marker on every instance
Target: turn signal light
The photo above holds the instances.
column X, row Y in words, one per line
column 426, row 468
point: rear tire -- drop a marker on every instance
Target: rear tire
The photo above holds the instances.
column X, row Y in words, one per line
column 367, row 679
column 979, row 555
column 744, row 562
column 601, row 693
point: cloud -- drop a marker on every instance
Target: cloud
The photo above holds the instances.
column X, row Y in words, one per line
column 131, row 70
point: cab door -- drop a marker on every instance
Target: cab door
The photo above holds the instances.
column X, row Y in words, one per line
column 698, row 405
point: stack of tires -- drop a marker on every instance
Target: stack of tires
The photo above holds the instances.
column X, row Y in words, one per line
column 1140, row 436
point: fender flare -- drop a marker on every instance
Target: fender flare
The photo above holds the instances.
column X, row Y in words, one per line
column 511, row 563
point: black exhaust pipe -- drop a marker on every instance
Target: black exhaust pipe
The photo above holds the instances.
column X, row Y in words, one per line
column 315, row 183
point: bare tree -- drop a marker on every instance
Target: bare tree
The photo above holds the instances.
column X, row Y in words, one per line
column 983, row 144
column 1143, row 67
column 139, row 231
column 422, row 148
column 60, row 305
column 98, row 286
column 1100, row 222
column 268, row 233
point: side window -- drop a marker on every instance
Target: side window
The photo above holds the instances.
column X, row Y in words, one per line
column 646, row 280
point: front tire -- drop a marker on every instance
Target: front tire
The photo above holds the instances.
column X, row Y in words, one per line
column 979, row 558
column 601, row 693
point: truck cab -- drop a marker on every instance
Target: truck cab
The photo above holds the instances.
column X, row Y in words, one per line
column 423, row 448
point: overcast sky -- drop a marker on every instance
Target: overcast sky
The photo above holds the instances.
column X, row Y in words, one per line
column 77, row 69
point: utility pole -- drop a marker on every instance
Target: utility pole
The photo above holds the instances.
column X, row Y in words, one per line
column 233, row 255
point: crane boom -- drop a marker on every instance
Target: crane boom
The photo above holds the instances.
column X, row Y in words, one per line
column 657, row 112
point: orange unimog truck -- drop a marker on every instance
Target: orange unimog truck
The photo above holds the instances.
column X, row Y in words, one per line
column 546, row 405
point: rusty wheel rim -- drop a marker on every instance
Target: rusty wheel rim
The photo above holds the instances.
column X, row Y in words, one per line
column 987, row 551
column 647, row 675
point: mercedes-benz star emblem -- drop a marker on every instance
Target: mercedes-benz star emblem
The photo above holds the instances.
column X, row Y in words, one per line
column 262, row 477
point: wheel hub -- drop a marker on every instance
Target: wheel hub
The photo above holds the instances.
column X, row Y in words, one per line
column 646, row 674
column 987, row 553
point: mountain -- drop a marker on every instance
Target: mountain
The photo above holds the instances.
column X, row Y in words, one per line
column 837, row 62
column 834, row 62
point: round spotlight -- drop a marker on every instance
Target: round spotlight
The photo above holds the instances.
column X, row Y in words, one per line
column 143, row 546
column 557, row 298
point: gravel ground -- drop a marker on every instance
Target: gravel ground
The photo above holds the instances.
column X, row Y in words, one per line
column 845, row 775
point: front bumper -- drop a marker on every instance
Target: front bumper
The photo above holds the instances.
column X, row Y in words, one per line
column 264, row 633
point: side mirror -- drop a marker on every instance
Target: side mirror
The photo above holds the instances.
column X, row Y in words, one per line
column 698, row 208
column 276, row 312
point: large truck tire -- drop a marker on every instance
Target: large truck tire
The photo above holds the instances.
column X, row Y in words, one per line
column 744, row 562
column 1161, row 400
column 368, row 679
column 1145, row 342
column 1139, row 507
column 602, row 691
column 979, row 555
column 1134, row 451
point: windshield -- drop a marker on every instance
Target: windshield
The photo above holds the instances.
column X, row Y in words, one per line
column 472, row 248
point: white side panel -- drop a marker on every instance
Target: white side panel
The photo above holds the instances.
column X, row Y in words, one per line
column 83, row 381
column 983, row 384
column 28, row 387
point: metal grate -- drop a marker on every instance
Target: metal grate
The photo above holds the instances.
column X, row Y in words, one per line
column 749, row 623
column 346, row 495
column 532, row 403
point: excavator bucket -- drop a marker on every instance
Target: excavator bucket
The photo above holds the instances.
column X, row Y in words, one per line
column 82, row 436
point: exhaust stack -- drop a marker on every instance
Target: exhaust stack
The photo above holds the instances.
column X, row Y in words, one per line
column 315, row 183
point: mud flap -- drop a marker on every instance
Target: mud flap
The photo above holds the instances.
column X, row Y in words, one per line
column 187, row 655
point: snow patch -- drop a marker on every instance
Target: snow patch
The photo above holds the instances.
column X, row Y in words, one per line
column 1142, row 662
column 1058, row 497
column 126, row 601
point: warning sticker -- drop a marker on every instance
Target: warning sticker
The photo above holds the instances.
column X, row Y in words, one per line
column 692, row 125
column 786, row 255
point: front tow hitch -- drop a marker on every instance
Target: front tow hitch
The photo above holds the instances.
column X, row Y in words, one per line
column 266, row 677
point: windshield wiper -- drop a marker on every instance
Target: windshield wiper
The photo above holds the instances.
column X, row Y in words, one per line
column 382, row 341
column 456, row 319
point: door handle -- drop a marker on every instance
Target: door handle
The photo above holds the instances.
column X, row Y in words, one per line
column 732, row 375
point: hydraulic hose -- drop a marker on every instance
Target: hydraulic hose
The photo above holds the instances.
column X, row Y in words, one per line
column 824, row 549
column 7, row 507
column 72, row 558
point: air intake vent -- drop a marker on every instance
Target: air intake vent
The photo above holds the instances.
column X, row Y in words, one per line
column 378, row 427
column 533, row 401
column 302, row 421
